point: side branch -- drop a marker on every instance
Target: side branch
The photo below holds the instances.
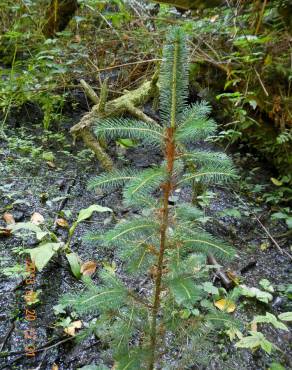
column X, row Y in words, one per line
column 127, row 103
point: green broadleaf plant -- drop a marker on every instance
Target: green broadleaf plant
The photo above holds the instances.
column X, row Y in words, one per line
column 168, row 242
column 50, row 245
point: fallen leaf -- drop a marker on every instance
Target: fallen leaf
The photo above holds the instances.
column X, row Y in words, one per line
column 37, row 219
column 88, row 268
column 55, row 367
column 276, row 182
column 31, row 298
column 70, row 330
column 8, row 218
column 51, row 164
column 62, row 222
column 225, row 305
column 233, row 277
column 253, row 326
column 77, row 39
column 4, row 232
column 264, row 246
column 214, row 18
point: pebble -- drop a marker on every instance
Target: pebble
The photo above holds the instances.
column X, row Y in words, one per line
column 18, row 215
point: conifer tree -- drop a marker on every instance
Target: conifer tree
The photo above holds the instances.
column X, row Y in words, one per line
column 167, row 240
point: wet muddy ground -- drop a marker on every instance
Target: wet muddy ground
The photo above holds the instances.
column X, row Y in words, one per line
column 56, row 183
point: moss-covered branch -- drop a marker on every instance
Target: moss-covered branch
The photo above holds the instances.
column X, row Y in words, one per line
column 127, row 103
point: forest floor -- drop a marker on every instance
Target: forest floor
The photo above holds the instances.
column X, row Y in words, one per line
column 55, row 183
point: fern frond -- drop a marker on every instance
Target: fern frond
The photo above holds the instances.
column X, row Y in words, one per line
column 205, row 157
column 111, row 295
column 183, row 263
column 134, row 359
column 114, row 128
column 112, row 180
column 217, row 174
column 187, row 212
column 184, row 290
column 128, row 231
column 141, row 260
column 195, row 112
column 194, row 131
column 120, row 330
column 174, row 78
column 143, row 202
column 222, row 319
column 143, row 184
column 201, row 241
column 140, row 254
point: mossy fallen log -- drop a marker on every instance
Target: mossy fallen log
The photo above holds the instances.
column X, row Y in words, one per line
column 191, row 4
column 127, row 103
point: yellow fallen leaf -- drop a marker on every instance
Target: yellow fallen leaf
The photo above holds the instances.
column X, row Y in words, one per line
column 55, row 367
column 276, row 182
column 88, row 268
column 8, row 218
column 70, row 330
column 62, row 222
column 233, row 277
column 264, row 246
column 37, row 219
column 225, row 305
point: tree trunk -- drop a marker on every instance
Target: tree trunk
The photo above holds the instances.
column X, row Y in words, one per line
column 58, row 15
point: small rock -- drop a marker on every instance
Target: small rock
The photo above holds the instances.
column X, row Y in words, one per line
column 278, row 302
column 18, row 215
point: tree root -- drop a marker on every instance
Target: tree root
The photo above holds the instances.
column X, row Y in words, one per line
column 127, row 103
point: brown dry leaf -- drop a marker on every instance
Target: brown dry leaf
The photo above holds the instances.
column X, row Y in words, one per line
column 214, row 18
column 62, row 222
column 70, row 330
column 4, row 232
column 253, row 326
column 37, row 219
column 225, row 305
column 55, row 367
column 88, row 268
column 8, row 218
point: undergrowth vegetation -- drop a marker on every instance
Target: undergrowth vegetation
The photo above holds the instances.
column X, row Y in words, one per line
column 187, row 261
column 242, row 48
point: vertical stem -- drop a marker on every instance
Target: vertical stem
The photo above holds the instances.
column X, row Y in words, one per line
column 167, row 187
column 261, row 17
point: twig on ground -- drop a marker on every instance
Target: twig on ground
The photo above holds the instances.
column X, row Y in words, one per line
column 127, row 103
column 9, row 331
column 219, row 273
column 272, row 238
column 64, row 200
column 265, row 230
